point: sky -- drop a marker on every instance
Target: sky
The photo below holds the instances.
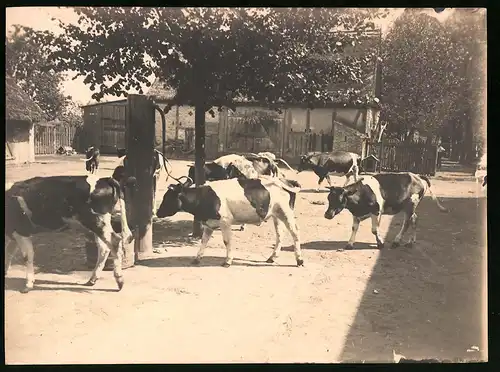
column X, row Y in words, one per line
column 39, row 18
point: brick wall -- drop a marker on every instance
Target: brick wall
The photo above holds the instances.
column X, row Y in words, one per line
column 346, row 139
column 185, row 121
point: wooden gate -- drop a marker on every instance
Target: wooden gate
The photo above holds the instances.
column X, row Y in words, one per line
column 418, row 158
column 113, row 127
column 254, row 130
column 48, row 138
column 300, row 143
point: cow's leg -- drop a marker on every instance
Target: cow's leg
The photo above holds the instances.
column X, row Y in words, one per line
column 102, row 255
column 207, row 234
column 321, row 179
column 277, row 247
column 117, row 254
column 355, row 227
column 154, row 196
column 242, row 227
column 347, row 179
column 26, row 245
column 413, row 239
column 127, row 236
column 409, row 211
column 226, row 236
column 291, row 225
column 10, row 250
column 375, row 225
column 406, row 224
column 328, row 180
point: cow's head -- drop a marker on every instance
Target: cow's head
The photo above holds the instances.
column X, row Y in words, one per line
column 338, row 197
column 307, row 161
column 172, row 200
column 104, row 194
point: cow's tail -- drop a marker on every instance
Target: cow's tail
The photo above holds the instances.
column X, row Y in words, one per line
column 428, row 187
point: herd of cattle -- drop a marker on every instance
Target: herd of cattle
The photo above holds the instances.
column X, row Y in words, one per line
column 241, row 189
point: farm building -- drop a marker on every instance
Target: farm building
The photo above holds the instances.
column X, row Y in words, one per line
column 253, row 127
column 21, row 114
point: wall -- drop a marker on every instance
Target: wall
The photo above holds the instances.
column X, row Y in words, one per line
column 185, row 120
column 346, row 139
column 351, row 116
column 321, row 120
column 21, row 141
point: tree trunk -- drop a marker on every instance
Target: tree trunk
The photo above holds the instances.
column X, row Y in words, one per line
column 199, row 162
column 140, row 151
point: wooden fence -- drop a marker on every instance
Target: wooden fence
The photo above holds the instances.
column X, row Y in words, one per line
column 418, row 158
column 48, row 138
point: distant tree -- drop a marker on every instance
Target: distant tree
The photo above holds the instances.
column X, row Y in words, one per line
column 416, row 85
column 26, row 58
column 209, row 56
column 468, row 73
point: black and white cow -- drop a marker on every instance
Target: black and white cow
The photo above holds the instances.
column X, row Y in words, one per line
column 92, row 159
column 159, row 163
column 324, row 164
column 56, row 203
column 236, row 201
column 385, row 193
column 213, row 172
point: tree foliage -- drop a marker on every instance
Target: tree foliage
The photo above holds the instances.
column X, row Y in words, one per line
column 432, row 73
column 211, row 55
column 26, row 58
column 416, row 58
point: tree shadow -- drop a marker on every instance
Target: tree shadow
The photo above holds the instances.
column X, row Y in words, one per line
column 327, row 245
column 172, row 233
column 425, row 302
column 207, row 261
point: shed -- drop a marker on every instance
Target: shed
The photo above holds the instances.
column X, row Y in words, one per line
column 20, row 114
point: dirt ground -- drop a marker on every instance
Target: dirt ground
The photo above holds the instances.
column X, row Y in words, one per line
column 353, row 306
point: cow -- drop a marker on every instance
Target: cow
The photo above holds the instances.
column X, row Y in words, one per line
column 213, row 172
column 235, row 201
column 324, row 164
column 92, row 159
column 159, row 162
column 385, row 193
column 265, row 163
column 44, row 204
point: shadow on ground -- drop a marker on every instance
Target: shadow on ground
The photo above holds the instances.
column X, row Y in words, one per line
column 425, row 301
column 172, row 233
column 327, row 245
column 207, row 261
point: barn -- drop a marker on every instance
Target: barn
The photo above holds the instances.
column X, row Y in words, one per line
column 21, row 114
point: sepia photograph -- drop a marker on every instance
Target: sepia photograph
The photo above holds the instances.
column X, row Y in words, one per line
column 245, row 185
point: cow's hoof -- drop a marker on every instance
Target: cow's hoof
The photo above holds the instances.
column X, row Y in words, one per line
column 242, row 228
column 300, row 263
column 120, row 282
column 196, row 261
column 348, row 247
column 395, row 245
column 90, row 283
column 409, row 245
column 270, row 260
column 226, row 264
column 380, row 245
column 26, row 289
